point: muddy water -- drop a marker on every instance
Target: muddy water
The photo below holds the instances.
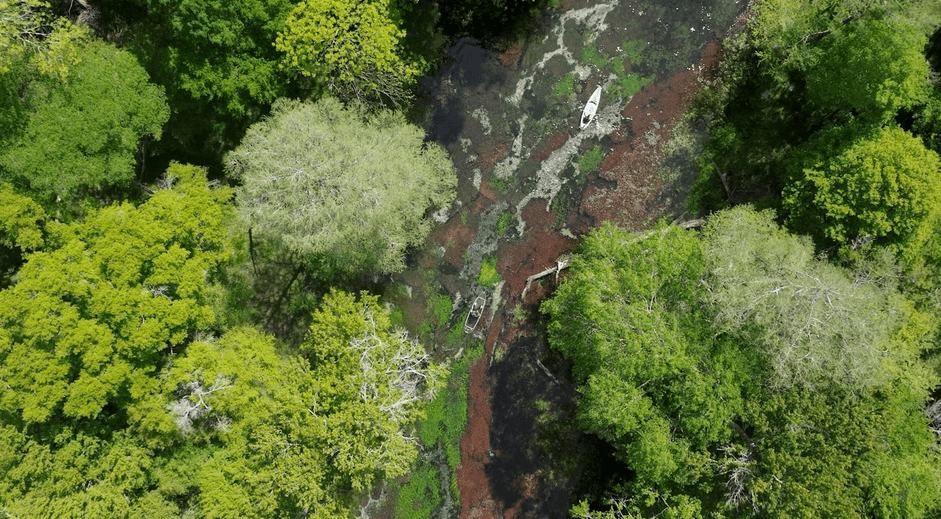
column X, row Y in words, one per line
column 531, row 182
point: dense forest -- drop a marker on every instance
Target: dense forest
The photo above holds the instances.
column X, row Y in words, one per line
column 201, row 202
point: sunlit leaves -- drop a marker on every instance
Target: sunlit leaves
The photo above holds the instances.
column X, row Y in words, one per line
column 19, row 220
column 871, row 66
column 881, row 185
column 351, row 48
column 90, row 316
column 628, row 316
column 811, row 320
column 371, row 379
column 21, row 24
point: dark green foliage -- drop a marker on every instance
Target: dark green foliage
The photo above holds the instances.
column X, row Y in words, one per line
column 805, row 67
column 828, row 455
column 84, row 132
column 494, row 22
column 216, row 61
column 927, row 121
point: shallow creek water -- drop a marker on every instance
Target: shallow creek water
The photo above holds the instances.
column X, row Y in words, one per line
column 530, row 182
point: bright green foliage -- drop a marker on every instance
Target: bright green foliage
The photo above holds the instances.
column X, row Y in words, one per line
column 503, row 224
column 884, row 185
column 785, row 33
column 91, row 316
column 233, row 427
column 349, row 192
column 812, row 321
column 446, row 415
column 488, row 275
column 79, row 476
column 19, row 21
column 420, row 496
column 63, row 48
column 630, row 84
column 351, row 48
column 19, row 220
column 264, row 445
column 564, row 88
column 647, row 503
column 84, row 131
column 590, row 161
column 30, row 32
column 370, row 382
column 628, row 317
column 870, row 66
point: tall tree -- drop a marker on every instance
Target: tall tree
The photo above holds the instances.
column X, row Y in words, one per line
column 280, row 435
column 872, row 67
column 813, row 322
column 21, row 29
column 84, row 124
column 351, row 49
column 92, row 316
column 811, row 454
column 853, row 184
column 651, row 381
column 347, row 190
column 216, row 61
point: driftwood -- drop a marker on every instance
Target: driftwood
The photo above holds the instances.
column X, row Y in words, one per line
column 561, row 263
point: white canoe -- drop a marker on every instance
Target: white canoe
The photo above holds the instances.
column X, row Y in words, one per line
column 588, row 114
column 473, row 317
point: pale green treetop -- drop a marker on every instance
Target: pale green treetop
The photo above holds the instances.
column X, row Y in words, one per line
column 348, row 191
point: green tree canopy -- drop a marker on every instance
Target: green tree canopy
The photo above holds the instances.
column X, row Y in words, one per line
column 791, row 35
column 275, row 435
column 650, row 379
column 813, row 322
column 348, row 191
column 93, row 314
column 811, row 454
column 21, row 29
column 873, row 67
column 882, row 185
column 350, row 48
column 212, row 51
column 85, row 123
column 20, row 220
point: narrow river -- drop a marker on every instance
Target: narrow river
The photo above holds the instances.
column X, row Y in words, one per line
column 531, row 182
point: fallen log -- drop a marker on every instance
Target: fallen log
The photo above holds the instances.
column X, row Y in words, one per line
column 561, row 263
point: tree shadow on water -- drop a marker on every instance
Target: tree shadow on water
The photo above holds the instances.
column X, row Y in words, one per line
column 472, row 76
column 540, row 460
